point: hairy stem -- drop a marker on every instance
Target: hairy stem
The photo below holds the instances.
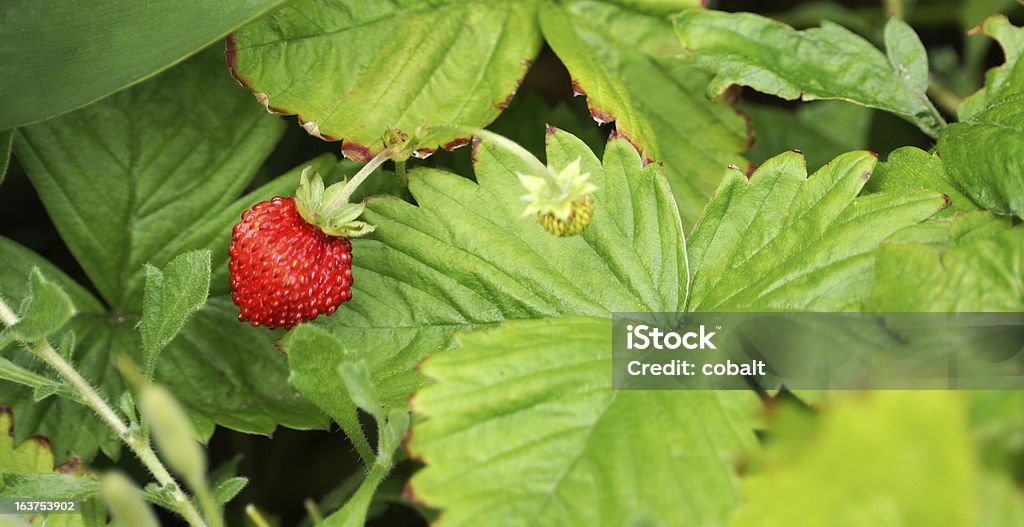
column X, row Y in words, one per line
column 91, row 398
column 400, row 172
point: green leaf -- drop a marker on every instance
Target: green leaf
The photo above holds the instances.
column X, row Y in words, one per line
column 229, row 488
column 31, row 456
column 985, row 156
column 158, row 495
column 782, row 241
column 907, row 55
column 521, row 426
column 624, row 58
column 970, row 263
column 983, row 152
column 114, row 183
column 42, row 386
column 27, row 471
column 466, row 258
column 821, row 130
column 59, row 57
column 829, row 62
column 171, row 296
column 6, row 142
column 48, row 487
column 1001, row 81
column 886, row 458
column 360, row 388
column 72, row 428
column 911, row 169
column 44, row 311
column 413, row 62
column 232, row 374
column 998, row 426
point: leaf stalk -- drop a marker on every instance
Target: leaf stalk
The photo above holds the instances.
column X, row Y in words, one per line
column 91, row 398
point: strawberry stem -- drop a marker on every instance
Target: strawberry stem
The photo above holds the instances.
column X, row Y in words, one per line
column 330, row 208
column 363, row 173
column 511, row 147
column 400, row 172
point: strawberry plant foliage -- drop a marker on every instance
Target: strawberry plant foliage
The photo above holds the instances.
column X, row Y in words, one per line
column 783, row 241
column 172, row 295
column 621, row 55
column 522, row 427
column 624, row 59
column 411, row 61
column 114, row 185
column 984, row 151
column 466, row 258
column 829, row 62
column 1003, row 80
column 913, row 169
column 969, row 263
column 465, row 331
column 85, row 435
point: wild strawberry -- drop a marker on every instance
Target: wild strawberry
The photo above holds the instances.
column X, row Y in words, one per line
column 561, row 199
column 291, row 258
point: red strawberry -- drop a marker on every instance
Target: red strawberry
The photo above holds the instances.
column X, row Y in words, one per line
column 291, row 259
column 285, row 271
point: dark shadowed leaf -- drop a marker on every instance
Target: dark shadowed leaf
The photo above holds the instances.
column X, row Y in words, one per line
column 58, row 56
column 829, row 62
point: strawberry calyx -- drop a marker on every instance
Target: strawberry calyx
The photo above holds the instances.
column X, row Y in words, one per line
column 557, row 193
column 329, row 208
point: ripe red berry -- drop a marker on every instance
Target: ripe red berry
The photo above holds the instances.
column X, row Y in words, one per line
column 285, row 270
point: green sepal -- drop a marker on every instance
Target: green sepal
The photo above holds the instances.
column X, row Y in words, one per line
column 310, row 194
column 329, row 208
